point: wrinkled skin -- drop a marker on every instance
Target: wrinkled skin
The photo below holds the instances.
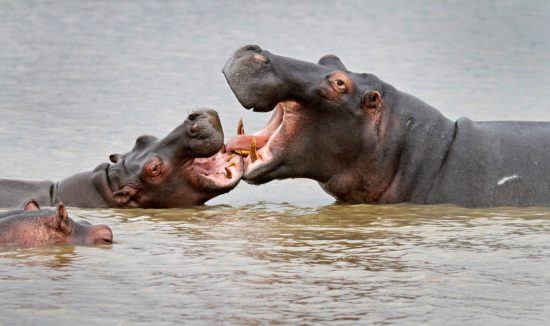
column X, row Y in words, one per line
column 366, row 142
column 187, row 167
column 35, row 227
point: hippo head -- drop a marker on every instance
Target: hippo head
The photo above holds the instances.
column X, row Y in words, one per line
column 185, row 168
column 33, row 226
column 324, row 117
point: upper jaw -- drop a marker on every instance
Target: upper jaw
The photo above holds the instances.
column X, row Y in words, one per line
column 263, row 151
column 249, row 73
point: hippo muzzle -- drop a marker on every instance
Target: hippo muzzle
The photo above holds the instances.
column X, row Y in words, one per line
column 261, row 79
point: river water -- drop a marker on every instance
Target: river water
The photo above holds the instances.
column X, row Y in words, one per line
column 80, row 80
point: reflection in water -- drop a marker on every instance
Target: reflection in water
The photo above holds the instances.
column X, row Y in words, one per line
column 52, row 257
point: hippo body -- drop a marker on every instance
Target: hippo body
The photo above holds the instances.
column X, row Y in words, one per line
column 364, row 141
column 34, row 227
column 499, row 163
column 77, row 190
column 186, row 168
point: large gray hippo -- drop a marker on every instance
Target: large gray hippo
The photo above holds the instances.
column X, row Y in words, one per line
column 185, row 168
column 366, row 142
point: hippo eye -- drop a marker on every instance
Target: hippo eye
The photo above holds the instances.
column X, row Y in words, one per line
column 154, row 167
column 340, row 81
column 340, row 85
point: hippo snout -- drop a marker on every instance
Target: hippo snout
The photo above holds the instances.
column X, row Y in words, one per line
column 101, row 234
column 254, row 52
column 202, row 123
column 207, row 113
column 252, row 76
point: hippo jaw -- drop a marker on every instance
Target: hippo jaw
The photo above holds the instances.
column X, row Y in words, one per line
column 218, row 173
column 264, row 151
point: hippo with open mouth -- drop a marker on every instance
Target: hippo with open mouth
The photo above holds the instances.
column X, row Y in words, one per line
column 32, row 226
column 185, row 168
column 366, row 142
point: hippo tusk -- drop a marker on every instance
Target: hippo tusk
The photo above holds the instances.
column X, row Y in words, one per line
column 242, row 152
column 240, row 127
column 253, row 154
column 228, row 173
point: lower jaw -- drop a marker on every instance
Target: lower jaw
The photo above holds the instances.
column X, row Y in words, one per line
column 220, row 172
column 260, row 173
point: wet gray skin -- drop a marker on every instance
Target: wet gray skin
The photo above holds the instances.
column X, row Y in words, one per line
column 35, row 227
column 185, row 168
column 365, row 141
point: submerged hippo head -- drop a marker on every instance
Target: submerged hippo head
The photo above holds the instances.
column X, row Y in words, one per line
column 32, row 227
column 185, row 168
column 346, row 130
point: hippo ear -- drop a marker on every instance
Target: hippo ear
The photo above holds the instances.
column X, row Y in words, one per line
column 373, row 100
column 143, row 141
column 60, row 220
column 332, row 61
column 62, row 214
column 115, row 157
column 31, row 205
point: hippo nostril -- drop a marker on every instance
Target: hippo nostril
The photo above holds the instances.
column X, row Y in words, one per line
column 195, row 127
column 261, row 58
column 252, row 47
column 194, row 116
column 109, row 241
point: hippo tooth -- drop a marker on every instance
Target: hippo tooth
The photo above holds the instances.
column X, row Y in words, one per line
column 230, row 157
column 223, row 149
column 240, row 127
column 242, row 152
column 253, row 154
column 228, row 173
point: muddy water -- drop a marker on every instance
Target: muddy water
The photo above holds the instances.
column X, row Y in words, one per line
column 81, row 80
column 286, row 264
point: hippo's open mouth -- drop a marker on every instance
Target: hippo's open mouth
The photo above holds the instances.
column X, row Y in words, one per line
column 262, row 151
column 220, row 171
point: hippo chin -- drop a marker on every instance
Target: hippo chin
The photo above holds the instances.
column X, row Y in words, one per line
column 185, row 168
column 366, row 142
column 35, row 227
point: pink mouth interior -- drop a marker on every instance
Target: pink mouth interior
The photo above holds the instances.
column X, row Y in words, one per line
column 264, row 141
column 224, row 169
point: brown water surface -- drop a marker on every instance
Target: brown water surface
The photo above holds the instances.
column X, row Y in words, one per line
column 287, row 264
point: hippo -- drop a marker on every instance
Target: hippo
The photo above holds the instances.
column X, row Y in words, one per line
column 187, row 167
column 364, row 141
column 32, row 226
